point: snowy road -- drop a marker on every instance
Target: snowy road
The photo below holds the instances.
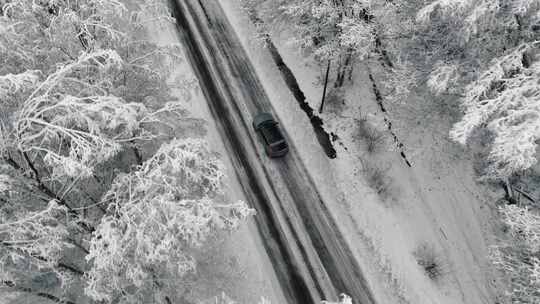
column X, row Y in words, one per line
column 311, row 259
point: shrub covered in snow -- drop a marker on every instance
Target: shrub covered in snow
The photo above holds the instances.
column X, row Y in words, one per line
column 431, row 261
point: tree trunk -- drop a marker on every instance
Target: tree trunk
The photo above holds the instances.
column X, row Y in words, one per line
column 138, row 155
column 343, row 69
column 325, row 87
column 509, row 193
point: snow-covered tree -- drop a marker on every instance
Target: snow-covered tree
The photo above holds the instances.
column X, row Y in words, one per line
column 339, row 31
column 36, row 234
column 506, row 99
column 157, row 214
column 443, row 78
column 90, row 78
column 84, row 99
column 524, row 225
column 39, row 35
column 465, row 35
column 71, row 122
column 330, row 29
column 481, row 52
column 519, row 257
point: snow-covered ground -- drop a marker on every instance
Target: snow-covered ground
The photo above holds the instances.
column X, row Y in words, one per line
column 435, row 202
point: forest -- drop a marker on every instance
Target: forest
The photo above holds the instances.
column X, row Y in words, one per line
column 112, row 190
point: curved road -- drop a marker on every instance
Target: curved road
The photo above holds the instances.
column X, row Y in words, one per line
column 311, row 259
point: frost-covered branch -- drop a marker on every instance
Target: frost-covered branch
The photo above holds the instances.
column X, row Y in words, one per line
column 523, row 224
column 39, row 233
column 75, row 125
column 330, row 29
column 157, row 213
column 16, row 83
column 518, row 258
column 506, row 97
column 443, row 78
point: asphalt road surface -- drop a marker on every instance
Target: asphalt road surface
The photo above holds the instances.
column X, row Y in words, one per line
column 311, row 259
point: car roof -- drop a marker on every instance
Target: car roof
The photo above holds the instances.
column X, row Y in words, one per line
column 271, row 133
column 263, row 117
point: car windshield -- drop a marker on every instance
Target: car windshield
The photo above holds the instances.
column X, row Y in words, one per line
column 271, row 134
column 280, row 147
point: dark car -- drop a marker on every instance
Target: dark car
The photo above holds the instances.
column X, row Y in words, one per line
column 274, row 142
